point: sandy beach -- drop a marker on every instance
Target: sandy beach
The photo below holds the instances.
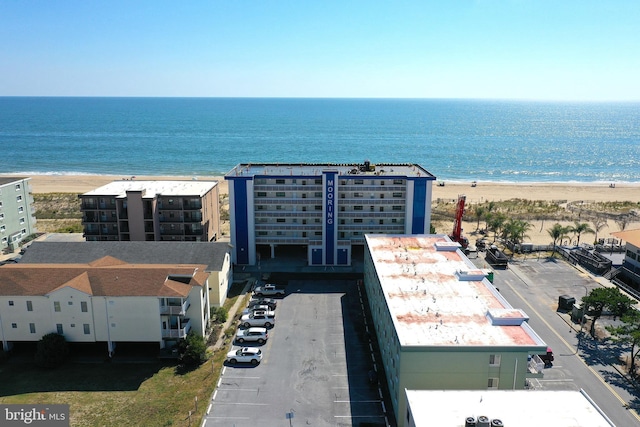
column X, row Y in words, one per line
column 483, row 191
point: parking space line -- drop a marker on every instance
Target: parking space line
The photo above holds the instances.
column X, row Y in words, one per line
column 242, row 403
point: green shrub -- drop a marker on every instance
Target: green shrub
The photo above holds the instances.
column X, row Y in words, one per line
column 219, row 314
column 52, row 351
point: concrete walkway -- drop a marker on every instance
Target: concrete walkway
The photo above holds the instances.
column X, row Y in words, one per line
column 237, row 307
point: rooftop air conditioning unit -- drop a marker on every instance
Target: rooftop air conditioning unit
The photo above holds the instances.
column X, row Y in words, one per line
column 483, row 421
column 470, row 422
column 496, row 423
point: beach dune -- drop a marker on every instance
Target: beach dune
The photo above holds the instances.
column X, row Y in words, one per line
column 481, row 192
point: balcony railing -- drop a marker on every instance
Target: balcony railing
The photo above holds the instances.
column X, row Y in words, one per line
column 175, row 309
column 178, row 333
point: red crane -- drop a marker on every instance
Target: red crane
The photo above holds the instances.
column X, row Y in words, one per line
column 457, row 236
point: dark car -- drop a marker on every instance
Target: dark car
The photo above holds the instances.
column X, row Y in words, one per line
column 270, row 302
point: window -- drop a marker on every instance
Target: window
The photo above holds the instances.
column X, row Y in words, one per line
column 3, row 228
column 318, row 233
column 397, row 182
column 279, row 181
column 21, row 221
column 23, row 231
column 304, row 195
column 317, row 194
column 4, row 240
column 261, row 194
column 318, row 207
column 397, row 208
column 83, row 306
column 358, row 181
column 317, row 220
column 14, row 325
column 17, row 187
column 358, row 194
column 397, row 194
column 11, row 303
column 87, row 329
column 357, row 208
column 1, row 216
column 262, row 233
column 281, row 220
column 170, row 201
column 32, row 328
column 494, row 360
column 19, row 199
column 70, row 302
column 20, row 209
column 59, row 328
column 381, row 222
column 279, row 193
column 318, row 181
column 381, row 208
column 56, row 306
column 29, row 306
column 394, row 221
column 357, row 221
column 492, row 383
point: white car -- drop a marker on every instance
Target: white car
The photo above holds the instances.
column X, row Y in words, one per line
column 259, row 318
column 245, row 355
column 258, row 335
column 256, row 308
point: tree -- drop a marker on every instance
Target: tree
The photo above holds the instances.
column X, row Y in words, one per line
column 193, row 350
column 579, row 228
column 557, row 232
column 52, row 351
column 516, row 230
column 495, row 223
column 598, row 224
column 605, row 298
column 479, row 212
column 629, row 333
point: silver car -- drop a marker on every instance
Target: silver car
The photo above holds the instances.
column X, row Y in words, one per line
column 258, row 335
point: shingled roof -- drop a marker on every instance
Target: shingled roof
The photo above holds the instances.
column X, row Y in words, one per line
column 210, row 253
column 107, row 276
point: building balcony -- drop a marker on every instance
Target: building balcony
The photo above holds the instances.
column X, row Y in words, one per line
column 175, row 310
column 178, row 333
column 171, row 232
column 535, row 367
column 88, row 206
column 192, row 205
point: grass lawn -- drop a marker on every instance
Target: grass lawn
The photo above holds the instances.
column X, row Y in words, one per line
column 117, row 394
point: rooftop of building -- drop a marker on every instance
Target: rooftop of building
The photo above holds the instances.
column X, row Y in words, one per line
column 629, row 236
column 4, row 180
column 212, row 254
column 316, row 170
column 106, row 276
column 437, row 297
column 522, row 408
column 153, row 188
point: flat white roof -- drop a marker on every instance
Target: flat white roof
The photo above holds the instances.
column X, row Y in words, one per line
column 165, row 188
column 437, row 297
column 315, row 170
column 521, row 408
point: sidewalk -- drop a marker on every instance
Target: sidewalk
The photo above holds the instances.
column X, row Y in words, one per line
column 231, row 315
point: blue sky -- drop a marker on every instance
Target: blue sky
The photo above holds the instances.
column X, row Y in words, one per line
column 514, row 49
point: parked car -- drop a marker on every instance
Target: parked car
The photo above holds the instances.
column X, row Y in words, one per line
column 269, row 290
column 259, row 318
column 256, row 308
column 245, row 355
column 264, row 301
column 255, row 334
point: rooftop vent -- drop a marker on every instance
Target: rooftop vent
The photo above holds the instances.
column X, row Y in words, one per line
column 447, row 246
column 507, row 316
column 470, row 275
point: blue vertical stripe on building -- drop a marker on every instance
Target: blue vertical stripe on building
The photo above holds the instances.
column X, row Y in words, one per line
column 241, row 221
column 329, row 216
column 419, row 203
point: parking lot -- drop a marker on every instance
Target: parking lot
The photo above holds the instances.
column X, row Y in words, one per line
column 314, row 369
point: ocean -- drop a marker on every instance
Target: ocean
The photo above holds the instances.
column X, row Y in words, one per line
column 456, row 140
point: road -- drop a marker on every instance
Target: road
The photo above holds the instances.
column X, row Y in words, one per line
column 581, row 362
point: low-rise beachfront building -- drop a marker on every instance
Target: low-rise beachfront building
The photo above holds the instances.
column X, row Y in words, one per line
column 130, row 210
column 521, row 408
column 440, row 324
column 17, row 219
column 107, row 300
column 630, row 272
column 323, row 210
column 215, row 255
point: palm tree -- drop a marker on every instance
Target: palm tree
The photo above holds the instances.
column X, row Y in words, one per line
column 579, row 228
column 557, row 232
column 598, row 224
column 496, row 223
column 479, row 212
column 516, row 230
